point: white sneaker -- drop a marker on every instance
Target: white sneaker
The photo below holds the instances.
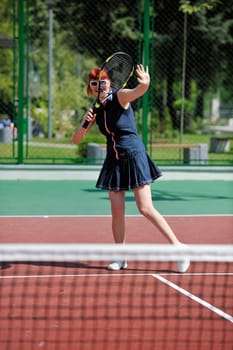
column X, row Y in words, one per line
column 117, row 265
column 183, row 266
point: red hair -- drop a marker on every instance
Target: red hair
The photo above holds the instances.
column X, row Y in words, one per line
column 94, row 75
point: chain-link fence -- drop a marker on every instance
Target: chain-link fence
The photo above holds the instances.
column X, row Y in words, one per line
column 48, row 47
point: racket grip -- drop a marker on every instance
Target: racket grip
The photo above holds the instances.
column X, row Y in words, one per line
column 85, row 124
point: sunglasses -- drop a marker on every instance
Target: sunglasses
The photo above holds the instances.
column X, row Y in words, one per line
column 94, row 83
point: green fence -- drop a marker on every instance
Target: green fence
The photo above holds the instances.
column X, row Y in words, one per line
column 48, row 46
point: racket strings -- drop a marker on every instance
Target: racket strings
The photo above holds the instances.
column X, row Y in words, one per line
column 119, row 68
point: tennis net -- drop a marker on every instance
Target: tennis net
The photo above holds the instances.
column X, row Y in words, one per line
column 61, row 296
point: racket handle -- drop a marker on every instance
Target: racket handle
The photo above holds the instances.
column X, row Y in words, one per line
column 85, row 124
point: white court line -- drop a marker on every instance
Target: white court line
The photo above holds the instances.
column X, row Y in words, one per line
column 78, row 275
column 109, row 215
column 159, row 277
column 195, row 298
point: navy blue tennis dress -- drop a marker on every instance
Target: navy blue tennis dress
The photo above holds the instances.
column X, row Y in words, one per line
column 127, row 165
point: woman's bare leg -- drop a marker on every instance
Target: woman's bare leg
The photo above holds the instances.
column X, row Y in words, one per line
column 117, row 199
column 145, row 206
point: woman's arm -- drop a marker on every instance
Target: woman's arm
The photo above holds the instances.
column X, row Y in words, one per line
column 80, row 132
column 125, row 96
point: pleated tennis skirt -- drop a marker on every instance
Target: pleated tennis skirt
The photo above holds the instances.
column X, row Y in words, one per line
column 130, row 171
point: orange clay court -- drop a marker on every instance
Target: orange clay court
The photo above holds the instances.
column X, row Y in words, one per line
column 147, row 306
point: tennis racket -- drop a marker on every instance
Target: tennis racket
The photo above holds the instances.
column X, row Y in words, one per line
column 119, row 67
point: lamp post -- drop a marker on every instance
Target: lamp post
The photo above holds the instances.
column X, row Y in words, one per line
column 50, row 4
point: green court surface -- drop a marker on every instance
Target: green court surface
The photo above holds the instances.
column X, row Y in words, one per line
column 79, row 197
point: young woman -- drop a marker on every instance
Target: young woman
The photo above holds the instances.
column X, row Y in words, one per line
column 127, row 165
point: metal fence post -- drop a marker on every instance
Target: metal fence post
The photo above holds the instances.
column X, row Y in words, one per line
column 146, row 63
column 50, row 4
column 21, row 80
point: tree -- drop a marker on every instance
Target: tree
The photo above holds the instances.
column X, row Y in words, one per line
column 100, row 30
column 209, row 35
column 6, row 60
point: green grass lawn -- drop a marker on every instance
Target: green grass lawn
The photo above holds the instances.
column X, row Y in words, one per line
column 61, row 151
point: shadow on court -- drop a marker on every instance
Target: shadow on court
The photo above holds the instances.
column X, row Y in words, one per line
column 78, row 266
